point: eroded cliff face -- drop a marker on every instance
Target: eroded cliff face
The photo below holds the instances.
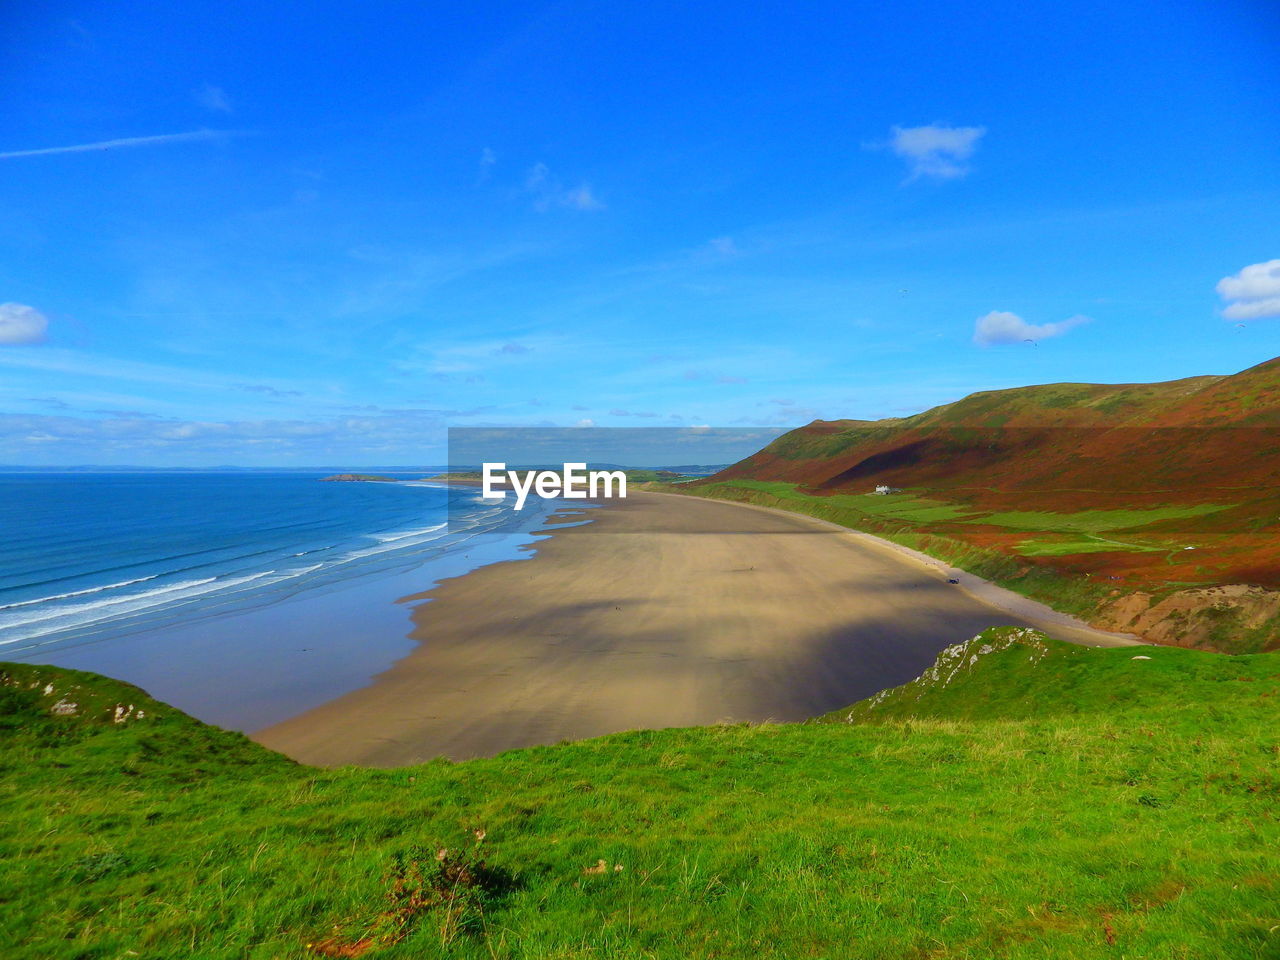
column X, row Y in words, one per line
column 1236, row 617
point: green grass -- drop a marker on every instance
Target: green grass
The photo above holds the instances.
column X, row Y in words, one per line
column 1069, row 546
column 913, row 508
column 1041, row 801
column 653, row 476
column 895, row 506
column 1096, row 521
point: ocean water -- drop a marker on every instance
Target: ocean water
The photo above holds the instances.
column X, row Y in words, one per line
column 198, row 586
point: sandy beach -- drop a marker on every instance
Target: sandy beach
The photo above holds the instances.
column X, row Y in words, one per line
column 663, row 611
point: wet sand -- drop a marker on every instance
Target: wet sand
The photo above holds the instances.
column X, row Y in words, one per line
column 663, row 611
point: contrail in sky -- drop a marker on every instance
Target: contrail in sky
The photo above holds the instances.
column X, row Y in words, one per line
column 124, row 142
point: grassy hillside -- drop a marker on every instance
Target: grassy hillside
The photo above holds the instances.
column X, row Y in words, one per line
column 1026, row 799
column 1082, row 495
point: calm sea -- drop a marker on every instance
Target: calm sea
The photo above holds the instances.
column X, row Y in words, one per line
column 88, row 560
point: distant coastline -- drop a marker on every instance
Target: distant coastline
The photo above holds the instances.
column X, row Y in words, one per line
column 468, row 478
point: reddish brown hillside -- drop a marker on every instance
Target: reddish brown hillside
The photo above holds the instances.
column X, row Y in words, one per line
column 1079, row 445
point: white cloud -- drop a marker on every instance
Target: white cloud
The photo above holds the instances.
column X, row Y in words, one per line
column 936, row 151
column 21, row 324
column 581, row 198
column 1000, row 326
column 788, row 413
column 585, row 423
column 538, row 176
column 724, row 246
column 720, row 378
column 644, row 414
column 1255, row 292
column 124, row 142
column 213, row 98
column 1253, row 309
column 488, row 160
column 512, row 349
column 267, row 390
column 550, row 192
column 473, row 356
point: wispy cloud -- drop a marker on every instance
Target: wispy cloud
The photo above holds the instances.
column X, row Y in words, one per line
column 936, row 151
column 395, row 280
column 687, row 261
column 1254, row 292
column 1000, row 326
column 549, row 191
column 190, row 136
column 97, row 367
column 55, row 403
column 720, row 378
column 123, row 435
column 213, row 98
column 780, row 412
column 488, row 160
column 469, row 360
column 512, row 349
column 20, row 324
column 267, row 390
column 724, row 246
column 80, row 37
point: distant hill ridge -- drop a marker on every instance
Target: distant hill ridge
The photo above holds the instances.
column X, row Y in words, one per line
column 1097, row 437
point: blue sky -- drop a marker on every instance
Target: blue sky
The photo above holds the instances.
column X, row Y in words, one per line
column 321, row 234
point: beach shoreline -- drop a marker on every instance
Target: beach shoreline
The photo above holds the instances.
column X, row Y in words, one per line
column 999, row 597
column 292, row 590
column 661, row 611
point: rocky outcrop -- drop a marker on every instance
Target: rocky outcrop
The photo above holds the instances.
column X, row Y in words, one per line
column 1235, row 618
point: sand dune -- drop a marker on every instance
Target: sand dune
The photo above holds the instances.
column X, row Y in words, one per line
column 663, row 611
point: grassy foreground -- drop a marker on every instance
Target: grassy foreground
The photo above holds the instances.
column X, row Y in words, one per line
column 1023, row 799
